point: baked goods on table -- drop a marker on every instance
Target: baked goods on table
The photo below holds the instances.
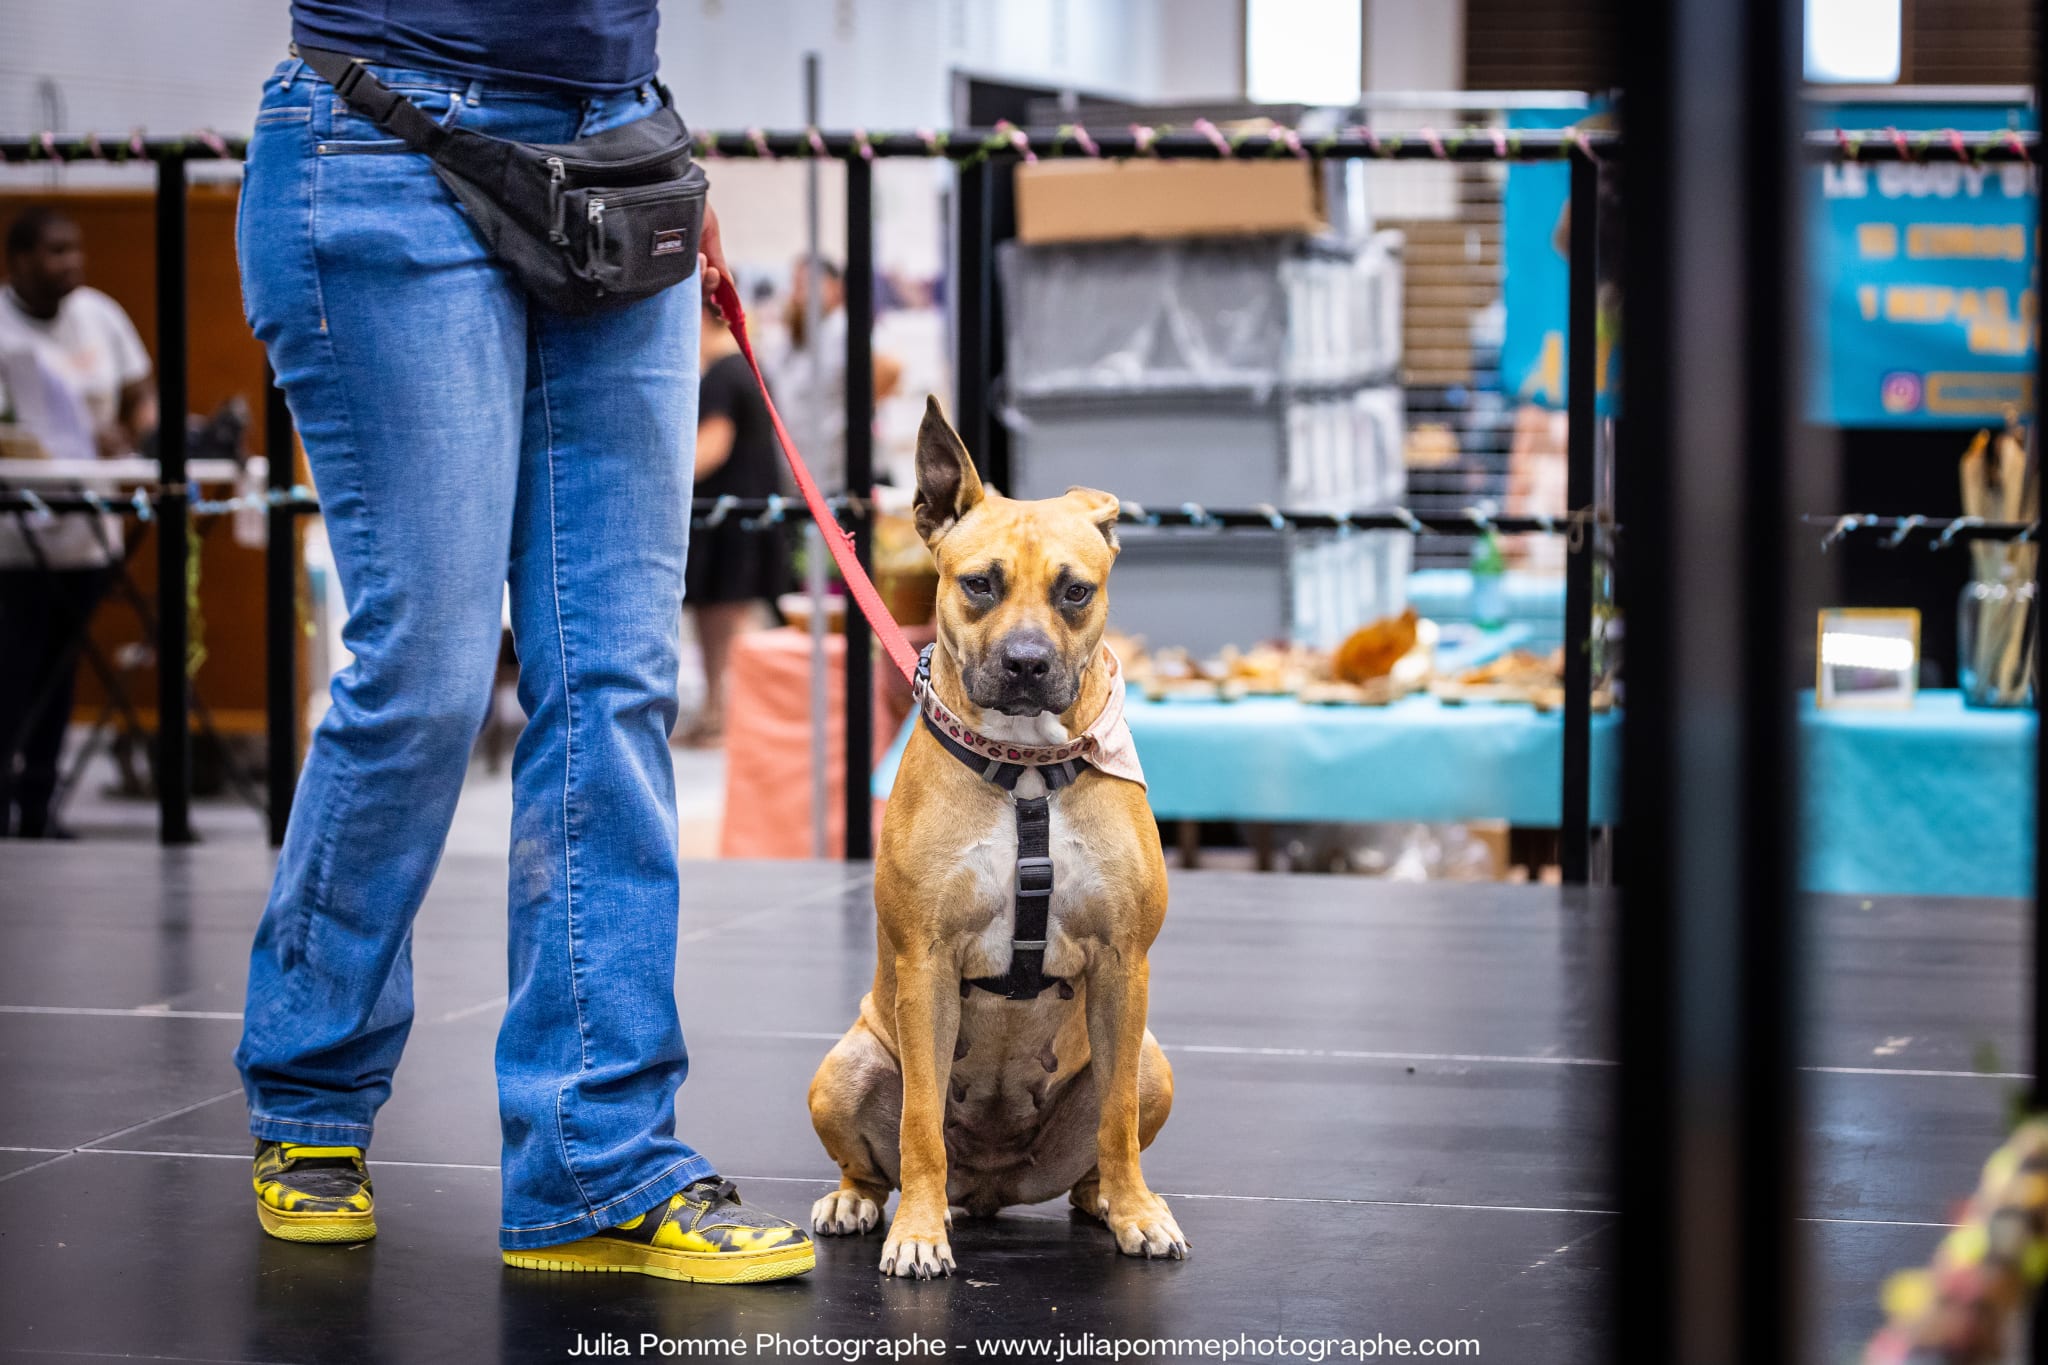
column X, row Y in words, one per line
column 1378, row 663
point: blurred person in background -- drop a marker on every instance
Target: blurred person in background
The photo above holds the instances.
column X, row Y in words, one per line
column 810, row 378
column 731, row 569
column 810, row 375
column 75, row 378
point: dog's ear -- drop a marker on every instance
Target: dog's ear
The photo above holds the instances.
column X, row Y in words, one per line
column 947, row 486
column 1102, row 509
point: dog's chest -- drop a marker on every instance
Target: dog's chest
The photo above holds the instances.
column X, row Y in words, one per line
column 991, row 862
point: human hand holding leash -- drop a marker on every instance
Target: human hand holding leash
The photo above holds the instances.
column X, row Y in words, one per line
column 713, row 272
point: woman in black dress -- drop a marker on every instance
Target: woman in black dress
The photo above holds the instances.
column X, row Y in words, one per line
column 730, row 568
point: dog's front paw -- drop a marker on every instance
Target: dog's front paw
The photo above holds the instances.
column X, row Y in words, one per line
column 1143, row 1225
column 917, row 1251
column 844, row 1212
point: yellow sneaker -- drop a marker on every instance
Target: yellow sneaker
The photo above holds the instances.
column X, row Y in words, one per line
column 702, row 1235
column 307, row 1193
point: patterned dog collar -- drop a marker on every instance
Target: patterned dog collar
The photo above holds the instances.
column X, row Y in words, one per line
column 958, row 730
column 1105, row 745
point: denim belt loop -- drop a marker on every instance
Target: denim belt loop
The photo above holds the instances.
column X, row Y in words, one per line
column 474, row 96
column 291, row 72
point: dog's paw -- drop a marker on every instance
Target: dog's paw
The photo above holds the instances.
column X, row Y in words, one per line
column 1143, row 1226
column 912, row 1255
column 843, row 1213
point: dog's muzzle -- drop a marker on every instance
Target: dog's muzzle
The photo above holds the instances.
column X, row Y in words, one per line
column 1022, row 676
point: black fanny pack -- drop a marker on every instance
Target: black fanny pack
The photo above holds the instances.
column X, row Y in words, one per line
column 584, row 225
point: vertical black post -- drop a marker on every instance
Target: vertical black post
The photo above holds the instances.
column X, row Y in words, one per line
column 2037, row 1344
column 173, row 542
column 998, row 226
column 2039, row 1095
column 1706, row 1140
column 974, row 311
column 280, row 613
column 1575, row 833
column 860, row 484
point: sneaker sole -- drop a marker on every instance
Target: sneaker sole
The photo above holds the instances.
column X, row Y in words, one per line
column 724, row 1267
column 316, row 1227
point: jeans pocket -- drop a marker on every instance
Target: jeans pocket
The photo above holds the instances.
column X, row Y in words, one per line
column 342, row 131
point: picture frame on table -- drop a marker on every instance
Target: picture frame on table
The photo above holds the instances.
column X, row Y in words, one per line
column 1867, row 658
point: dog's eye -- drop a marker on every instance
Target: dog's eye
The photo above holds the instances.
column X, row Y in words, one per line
column 1077, row 593
column 978, row 585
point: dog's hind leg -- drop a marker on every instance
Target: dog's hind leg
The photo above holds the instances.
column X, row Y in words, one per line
column 856, row 1102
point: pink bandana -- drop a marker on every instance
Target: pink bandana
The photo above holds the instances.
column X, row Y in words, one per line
column 1106, row 744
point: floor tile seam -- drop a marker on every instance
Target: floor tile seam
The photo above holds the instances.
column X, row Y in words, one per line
column 1465, row 1058
column 51, row 1352
column 36, row 1166
column 824, row 1179
column 1189, row 1049
column 86, row 1146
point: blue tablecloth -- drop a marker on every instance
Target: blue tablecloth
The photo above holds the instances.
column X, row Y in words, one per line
column 1276, row 759
column 1935, row 801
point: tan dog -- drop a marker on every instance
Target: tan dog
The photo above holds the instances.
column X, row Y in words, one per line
column 962, row 1096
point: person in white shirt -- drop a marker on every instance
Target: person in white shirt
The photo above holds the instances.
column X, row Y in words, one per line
column 74, row 373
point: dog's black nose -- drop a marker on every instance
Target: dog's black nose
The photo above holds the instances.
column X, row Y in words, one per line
column 1027, row 657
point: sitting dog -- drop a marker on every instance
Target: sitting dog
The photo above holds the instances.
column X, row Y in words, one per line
column 1002, row 1055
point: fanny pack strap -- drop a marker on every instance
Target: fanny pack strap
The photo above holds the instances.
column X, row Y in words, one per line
column 376, row 101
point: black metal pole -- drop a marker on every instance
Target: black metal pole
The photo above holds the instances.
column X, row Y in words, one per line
column 280, row 613
column 999, row 225
column 979, row 145
column 1574, row 825
column 974, row 287
column 173, row 540
column 860, row 483
column 2037, row 1337
column 1705, row 1139
column 2039, row 1094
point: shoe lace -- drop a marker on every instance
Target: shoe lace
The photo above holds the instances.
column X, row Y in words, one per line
column 712, row 1192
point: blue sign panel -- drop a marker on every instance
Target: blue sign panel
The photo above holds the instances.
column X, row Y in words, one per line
column 1922, row 278
column 1536, row 269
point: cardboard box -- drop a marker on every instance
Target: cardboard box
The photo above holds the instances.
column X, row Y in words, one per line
column 1096, row 201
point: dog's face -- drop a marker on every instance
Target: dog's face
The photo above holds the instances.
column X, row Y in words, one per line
column 1023, row 586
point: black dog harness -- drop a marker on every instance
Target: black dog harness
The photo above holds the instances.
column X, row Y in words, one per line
column 1026, row 979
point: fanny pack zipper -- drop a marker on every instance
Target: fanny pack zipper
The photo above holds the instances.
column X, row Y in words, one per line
column 645, row 161
column 556, row 175
column 637, row 193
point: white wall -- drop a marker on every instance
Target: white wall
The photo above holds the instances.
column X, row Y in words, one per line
column 1413, row 45
column 173, row 65
column 165, row 65
column 1201, row 49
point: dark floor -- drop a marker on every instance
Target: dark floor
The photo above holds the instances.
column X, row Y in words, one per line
column 1389, row 1119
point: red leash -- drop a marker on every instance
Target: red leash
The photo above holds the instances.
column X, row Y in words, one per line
column 836, row 538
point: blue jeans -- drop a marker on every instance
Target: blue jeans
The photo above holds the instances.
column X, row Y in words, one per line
column 463, row 437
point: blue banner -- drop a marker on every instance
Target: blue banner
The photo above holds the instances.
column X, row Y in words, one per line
column 1536, row 274
column 1922, row 278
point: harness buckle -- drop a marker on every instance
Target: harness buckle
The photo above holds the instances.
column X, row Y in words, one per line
column 1034, row 876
